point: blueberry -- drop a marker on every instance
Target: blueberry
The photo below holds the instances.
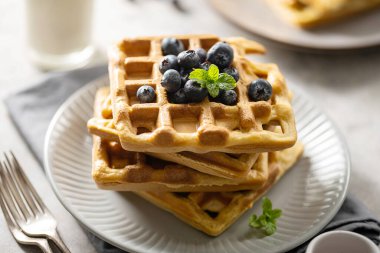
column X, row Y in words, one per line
column 184, row 79
column 205, row 65
column 188, row 59
column 177, row 97
column 220, row 54
column 171, row 46
column 228, row 97
column 168, row 62
column 260, row 90
column 194, row 92
column 232, row 72
column 184, row 72
column 202, row 54
column 171, row 80
column 146, row 94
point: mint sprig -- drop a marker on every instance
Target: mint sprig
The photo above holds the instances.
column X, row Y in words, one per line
column 213, row 80
column 267, row 221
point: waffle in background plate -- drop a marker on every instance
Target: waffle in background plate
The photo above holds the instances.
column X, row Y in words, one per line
column 214, row 212
column 307, row 13
column 164, row 127
column 233, row 166
column 117, row 169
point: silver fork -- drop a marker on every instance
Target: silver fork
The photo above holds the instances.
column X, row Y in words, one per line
column 25, row 206
column 42, row 243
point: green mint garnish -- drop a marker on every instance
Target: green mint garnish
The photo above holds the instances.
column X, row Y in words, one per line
column 267, row 220
column 213, row 80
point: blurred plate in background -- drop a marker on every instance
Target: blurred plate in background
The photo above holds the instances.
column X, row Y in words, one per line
column 257, row 17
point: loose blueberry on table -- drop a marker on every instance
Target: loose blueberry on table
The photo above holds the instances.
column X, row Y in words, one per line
column 146, row 94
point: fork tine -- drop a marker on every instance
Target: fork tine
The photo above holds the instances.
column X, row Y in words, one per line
column 7, row 196
column 6, row 213
column 24, row 185
column 16, row 230
column 14, row 192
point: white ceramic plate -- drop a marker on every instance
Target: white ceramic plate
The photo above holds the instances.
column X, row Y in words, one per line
column 257, row 17
column 309, row 195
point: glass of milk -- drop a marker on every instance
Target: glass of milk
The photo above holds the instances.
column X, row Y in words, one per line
column 59, row 33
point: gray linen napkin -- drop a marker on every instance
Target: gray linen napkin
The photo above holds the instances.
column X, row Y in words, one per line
column 39, row 103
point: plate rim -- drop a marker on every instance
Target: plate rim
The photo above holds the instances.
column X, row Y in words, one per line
column 97, row 83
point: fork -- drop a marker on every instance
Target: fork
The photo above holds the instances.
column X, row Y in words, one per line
column 42, row 243
column 24, row 204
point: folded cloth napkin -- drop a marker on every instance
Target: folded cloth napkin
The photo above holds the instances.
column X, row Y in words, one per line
column 39, row 103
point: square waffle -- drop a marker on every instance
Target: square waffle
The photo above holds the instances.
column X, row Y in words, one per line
column 213, row 163
column 214, row 212
column 308, row 13
column 117, row 169
column 163, row 127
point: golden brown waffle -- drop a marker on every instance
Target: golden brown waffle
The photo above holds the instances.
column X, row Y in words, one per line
column 117, row 169
column 163, row 127
column 214, row 212
column 307, row 13
column 213, row 163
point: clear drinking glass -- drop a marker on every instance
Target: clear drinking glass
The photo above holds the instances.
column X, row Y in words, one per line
column 59, row 32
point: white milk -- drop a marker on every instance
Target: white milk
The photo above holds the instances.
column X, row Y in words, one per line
column 59, row 32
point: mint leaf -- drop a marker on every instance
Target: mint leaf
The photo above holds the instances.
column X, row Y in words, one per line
column 213, row 80
column 262, row 220
column 270, row 228
column 253, row 221
column 213, row 89
column 267, row 220
column 203, row 83
column 267, row 204
column 276, row 213
column 226, row 86
column 226, row 78
column 198, row 74
column 213, row 72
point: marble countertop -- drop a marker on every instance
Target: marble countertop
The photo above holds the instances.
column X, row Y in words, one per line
column 345, row 86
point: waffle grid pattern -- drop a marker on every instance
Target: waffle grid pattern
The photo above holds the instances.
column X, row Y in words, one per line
column 119, row 169
column 232, row 166
column 203, row 127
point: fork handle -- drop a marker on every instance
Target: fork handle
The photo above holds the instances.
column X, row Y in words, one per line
column 56, row 238
column 44, row 246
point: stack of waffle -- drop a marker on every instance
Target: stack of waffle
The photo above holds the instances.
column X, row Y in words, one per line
column 206, row 163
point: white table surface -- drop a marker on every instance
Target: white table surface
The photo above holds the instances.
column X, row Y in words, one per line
column 347, row 87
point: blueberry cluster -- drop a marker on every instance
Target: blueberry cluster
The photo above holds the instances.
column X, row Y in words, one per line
column 177, row 64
